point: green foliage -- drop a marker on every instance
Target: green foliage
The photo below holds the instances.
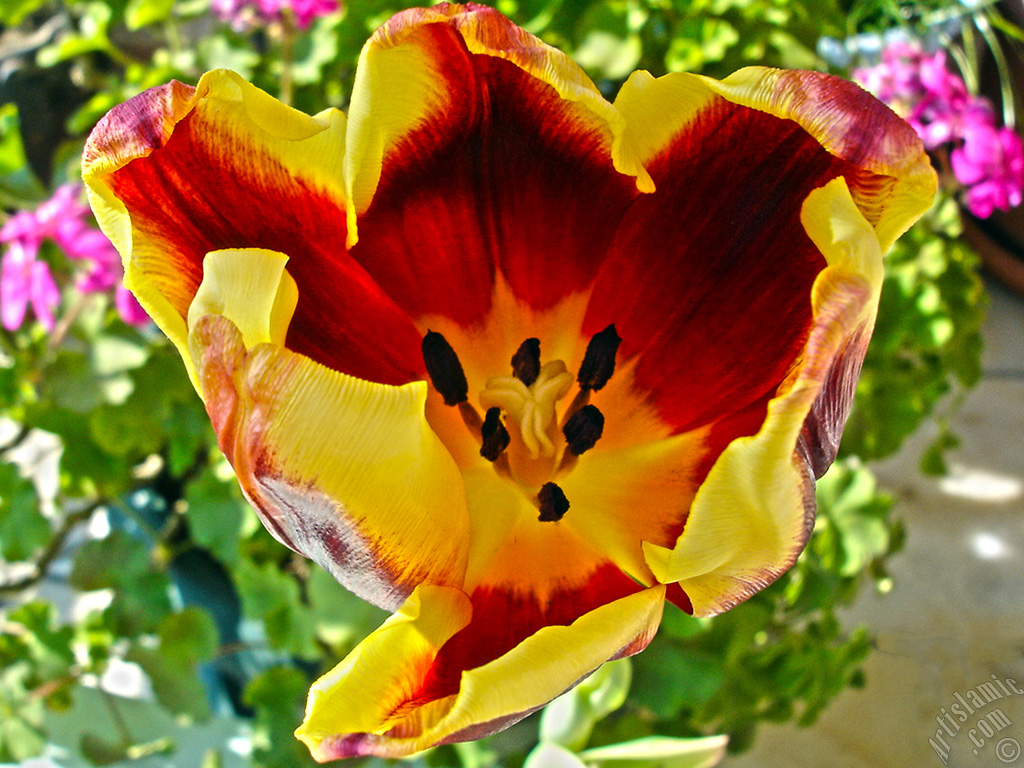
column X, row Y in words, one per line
column 783, row 654
column 141, row 588
column 277, row 695
column 36, row 660
column 926, row 341
column 23, row 529
column 186, row 639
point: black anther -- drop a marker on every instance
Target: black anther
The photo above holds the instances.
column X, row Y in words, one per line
column 599, row 361
column 553, row 504
column 526, row 361
column 584, row 429
column 444, row 369
column 496, row 437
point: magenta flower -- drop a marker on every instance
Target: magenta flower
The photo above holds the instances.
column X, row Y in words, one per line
column 64, row 220
column 987, row 160
column 243, row 14
column 990, row 162
column 25, row 280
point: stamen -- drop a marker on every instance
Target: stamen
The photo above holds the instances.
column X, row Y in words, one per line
column 526, row 361
column 531, row 408
column 599, row 361
column 553, row 504
column 444, row 369
column 584, row 429
column 496, row 437
column 470, row 417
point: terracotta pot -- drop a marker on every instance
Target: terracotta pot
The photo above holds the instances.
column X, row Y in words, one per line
column 999, row 241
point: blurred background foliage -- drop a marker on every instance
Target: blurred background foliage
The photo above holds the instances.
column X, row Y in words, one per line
column 114, row 498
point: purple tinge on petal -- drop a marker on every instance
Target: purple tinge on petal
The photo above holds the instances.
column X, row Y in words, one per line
column 823, row 427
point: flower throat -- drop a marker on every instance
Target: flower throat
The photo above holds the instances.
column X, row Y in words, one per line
column 519, row 433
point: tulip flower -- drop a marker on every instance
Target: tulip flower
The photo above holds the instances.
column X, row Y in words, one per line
column 510, row 360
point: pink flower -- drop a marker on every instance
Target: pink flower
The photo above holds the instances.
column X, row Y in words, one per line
column 25, row 280
column 242, row 14
column 990, row 163
column 64, row 220
column 987, row 160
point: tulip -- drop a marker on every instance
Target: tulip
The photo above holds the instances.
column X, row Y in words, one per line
column 510, row 360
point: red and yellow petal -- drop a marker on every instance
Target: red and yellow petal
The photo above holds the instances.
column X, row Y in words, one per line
column 345, row 471
column 895, row 183
column 369, row 705
column 755, row 510
column 475, row 153
column 719, row 263
column 176, row 173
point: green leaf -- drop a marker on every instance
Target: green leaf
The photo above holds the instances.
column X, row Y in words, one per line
column 20, row 739
column 23, row 529
column 176, row 686
column 71, row 383
column 567, row 721
column 18, row 186
column 550, row 755
column 272, row 596
column 278, row 696
column 101, row 751
column 141, row 590
column 12, row 12
column 660, row 752
column 109, row 563
column 91, row 36
column 216, row 513
column 606, row 690
column 342, row 619
column 139, row 13
column 680, row 624
column 21, row 726
column 666, row 678
column 46, row 644
column 187, row 639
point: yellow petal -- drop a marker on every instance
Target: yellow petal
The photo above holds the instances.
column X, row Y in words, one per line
column 753, row 514
column 891, row 177
column 414, row 80
column 251, row 288
column 352, row 711
column 345, row 471
column 177, row 172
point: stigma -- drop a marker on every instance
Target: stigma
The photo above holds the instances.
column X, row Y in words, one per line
column 531, row 408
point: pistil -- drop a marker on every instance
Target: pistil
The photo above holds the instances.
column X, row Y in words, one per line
column 530, row 412
column 519, row 430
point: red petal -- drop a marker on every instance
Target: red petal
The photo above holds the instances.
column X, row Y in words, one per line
column 710, row 278
column 209, row 182
column 499, row 173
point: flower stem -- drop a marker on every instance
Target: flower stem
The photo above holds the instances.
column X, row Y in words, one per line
column 287, row 29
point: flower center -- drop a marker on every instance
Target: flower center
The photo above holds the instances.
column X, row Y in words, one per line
column 519, row 433
column 531, row 408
